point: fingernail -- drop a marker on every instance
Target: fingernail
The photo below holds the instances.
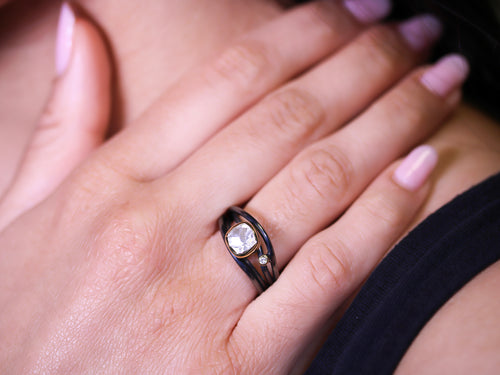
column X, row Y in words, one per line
column 446, row 75
column 367, row 11
column 64, row 40
column 421, row 31
column 416, row 168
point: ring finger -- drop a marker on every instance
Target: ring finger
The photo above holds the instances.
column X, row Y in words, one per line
column 291, row 316
column 322, row 181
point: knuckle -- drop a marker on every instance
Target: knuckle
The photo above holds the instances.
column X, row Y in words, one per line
column 50, row 117
column 330, row 265
column 127, row 245
column 241, row 64
column 385, row 48
column 320, row 13
column 327, row 19
column 93, row 182
column 383, row 211
column 295, row 202
column 48, row 127
column 404, row 108
column 293, row 113
column 325, row 171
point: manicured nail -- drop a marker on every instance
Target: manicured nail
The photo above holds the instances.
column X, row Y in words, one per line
column 416, row 168
column 421, row 31
column 64, row 41
column 446, row 75
column 367, row 11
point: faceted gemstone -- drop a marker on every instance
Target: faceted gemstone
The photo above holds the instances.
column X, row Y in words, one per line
column 263, row 260
column 241, row 239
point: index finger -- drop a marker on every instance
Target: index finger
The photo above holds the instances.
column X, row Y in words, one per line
column 209, row 97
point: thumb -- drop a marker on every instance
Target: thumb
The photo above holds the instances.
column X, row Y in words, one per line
column 74, row 120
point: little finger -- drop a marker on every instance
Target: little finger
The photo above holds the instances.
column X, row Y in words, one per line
column 328, row 269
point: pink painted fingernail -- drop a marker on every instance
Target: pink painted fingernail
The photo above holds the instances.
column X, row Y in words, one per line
column 446, row 75
column 421, row 31
column 416, row 168
column 367, row 11
column 64, row 40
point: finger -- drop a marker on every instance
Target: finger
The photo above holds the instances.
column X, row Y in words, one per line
column 209, row 97
column 331, row 265
column 245, row 155
column 74, row 120
column 319, row 184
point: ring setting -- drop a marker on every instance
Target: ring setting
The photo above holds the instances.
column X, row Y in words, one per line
column 250, row 246
column 241, row 240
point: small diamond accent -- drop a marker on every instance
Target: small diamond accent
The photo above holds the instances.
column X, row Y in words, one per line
column 263, row 260
column 241, row 239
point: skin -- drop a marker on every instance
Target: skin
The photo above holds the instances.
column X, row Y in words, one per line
column 470, row 137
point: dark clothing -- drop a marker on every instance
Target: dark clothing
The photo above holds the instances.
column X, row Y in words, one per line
column 415, row 279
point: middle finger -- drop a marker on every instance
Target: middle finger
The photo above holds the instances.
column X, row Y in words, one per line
column 245, row 155
column 322, row 181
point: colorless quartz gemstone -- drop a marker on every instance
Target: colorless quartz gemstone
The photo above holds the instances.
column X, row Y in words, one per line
column 263, row 260
column 241, row 239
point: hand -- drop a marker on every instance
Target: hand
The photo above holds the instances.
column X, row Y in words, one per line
column 121, row 266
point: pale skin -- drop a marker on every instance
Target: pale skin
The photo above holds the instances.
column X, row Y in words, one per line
column 116, row 195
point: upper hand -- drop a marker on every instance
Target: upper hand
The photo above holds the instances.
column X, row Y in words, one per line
column 120, row 265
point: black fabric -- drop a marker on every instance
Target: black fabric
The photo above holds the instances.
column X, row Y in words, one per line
column 421, row 273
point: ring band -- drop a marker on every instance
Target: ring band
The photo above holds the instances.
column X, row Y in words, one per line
column 250, row 246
